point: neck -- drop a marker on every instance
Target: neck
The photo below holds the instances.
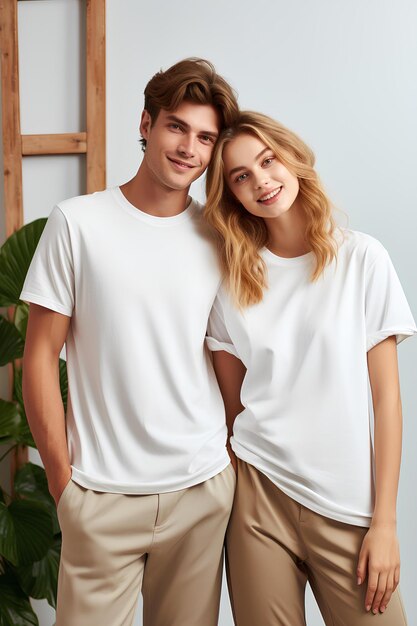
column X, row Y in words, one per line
column 150, row 196
column 286, row 233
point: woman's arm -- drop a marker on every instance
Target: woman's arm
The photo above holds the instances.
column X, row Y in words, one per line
column 230, row 373
column 379, row 555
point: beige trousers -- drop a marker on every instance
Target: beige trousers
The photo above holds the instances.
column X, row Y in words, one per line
column 275, row 545
column 169, row 545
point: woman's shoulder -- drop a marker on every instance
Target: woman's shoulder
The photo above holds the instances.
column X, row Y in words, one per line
column 359, row 244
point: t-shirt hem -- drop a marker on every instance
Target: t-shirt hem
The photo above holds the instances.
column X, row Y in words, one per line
column 400, row 334
column 101, row 485
column 34, row 298
column 354, row 520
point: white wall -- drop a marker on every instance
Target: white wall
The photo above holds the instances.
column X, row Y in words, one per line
column 339, row 73
column 342, row 74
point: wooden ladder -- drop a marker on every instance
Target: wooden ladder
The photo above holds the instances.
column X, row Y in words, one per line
column 91, row 142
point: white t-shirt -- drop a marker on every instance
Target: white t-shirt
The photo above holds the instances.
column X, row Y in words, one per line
column 145, row 414
column 306, row 420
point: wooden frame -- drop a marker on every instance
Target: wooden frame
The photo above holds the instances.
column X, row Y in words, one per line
column 91, row 142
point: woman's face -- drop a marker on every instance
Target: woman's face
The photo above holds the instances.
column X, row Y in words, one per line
column 263, row 185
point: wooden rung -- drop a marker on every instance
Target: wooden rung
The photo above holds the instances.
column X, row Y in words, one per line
column 65, row 143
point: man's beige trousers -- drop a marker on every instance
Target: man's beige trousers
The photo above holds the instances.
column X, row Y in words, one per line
column 275, row 545
column 169, row 545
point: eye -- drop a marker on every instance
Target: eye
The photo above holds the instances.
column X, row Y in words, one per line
column 174, row 126
column 207, row 138
column 241, row 178
column 268, row 161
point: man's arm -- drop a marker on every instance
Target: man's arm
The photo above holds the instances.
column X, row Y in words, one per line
column 380, row 557
column 230, row 373
column 46, row 334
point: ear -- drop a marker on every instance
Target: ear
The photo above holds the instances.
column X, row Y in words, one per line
column 145, row 124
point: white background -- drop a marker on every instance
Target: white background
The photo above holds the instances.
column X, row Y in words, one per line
column 341, row 74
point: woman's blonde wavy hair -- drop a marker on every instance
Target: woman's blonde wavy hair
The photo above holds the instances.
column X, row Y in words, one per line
column 241, row 235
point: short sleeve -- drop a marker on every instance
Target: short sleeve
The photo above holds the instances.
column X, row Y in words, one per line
column 386, row 308
column 50, row 278
column 218, row 337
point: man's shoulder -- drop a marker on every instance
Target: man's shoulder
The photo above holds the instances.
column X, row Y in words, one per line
column 78, row 205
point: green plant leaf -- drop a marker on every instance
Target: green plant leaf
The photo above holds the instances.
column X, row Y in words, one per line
column 23, row 434
column 14, row 425
column 63, row 382
column 11, row 342
column 30, row 482
column 9, row 420
column 17, row 388
column 15, row 608
column 25, row 531
column 21, row 318
column 39, row 580
column 15, row 257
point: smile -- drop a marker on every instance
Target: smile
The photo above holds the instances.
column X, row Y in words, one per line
column 181, row 164
column 270, row 195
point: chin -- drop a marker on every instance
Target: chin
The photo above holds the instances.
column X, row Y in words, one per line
column 181, row 183
column 177, row 185
column 270, row 215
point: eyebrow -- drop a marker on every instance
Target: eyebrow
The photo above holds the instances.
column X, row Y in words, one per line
column 242, row 167
column 178, row 120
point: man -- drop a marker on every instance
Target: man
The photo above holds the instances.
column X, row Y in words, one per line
column 140, row 472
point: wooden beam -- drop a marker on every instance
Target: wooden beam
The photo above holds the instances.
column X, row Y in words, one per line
column 96, row 95
column 12, row 144
column 67, row 143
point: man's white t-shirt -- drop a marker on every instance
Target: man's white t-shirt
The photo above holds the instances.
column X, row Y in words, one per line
column 144, row 414
column 306, row 421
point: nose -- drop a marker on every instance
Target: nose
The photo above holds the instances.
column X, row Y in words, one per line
column 262, row 180
column 186, row 146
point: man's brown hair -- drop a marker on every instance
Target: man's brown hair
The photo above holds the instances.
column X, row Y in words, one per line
column 190, row 80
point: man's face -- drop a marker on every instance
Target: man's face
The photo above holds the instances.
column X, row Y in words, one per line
column 179, row 144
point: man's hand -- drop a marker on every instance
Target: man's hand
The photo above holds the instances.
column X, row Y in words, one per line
column 379, row 558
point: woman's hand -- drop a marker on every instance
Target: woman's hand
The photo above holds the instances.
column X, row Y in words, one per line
column 379, row 559
column 232, row 455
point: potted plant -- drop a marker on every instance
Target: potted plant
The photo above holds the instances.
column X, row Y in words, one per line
column 30, row 537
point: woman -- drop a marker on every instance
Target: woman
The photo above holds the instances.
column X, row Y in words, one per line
column 309, row 310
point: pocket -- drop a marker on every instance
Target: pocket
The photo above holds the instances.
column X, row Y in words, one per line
column 63, row 494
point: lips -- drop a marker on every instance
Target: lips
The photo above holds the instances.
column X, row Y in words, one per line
column 182, row 164
column 269, row 196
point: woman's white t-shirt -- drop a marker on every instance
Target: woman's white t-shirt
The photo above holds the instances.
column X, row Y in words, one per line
column 144, row 414
column 306, row 421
